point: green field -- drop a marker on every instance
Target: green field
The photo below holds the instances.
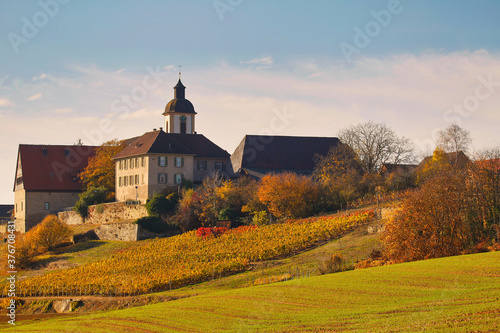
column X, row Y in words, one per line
column 456, row 294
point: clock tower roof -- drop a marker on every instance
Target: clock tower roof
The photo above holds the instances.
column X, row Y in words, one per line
column 179, row 104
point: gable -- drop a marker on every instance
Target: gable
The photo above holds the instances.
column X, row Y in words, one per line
column 51, row 167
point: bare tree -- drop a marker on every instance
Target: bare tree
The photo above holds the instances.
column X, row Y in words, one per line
column 376, row 144
column 454, row 139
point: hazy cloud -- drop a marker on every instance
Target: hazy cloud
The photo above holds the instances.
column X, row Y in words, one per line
column 34, row 97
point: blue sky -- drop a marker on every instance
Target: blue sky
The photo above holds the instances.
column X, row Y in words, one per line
column 246, row 64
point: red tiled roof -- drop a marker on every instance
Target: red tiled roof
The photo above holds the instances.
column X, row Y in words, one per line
column 159, row 142
column 53, row 167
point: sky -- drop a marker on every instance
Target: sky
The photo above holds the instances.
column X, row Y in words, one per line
column 98, row 70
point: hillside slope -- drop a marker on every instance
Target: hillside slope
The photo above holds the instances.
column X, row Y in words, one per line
column 441, row 295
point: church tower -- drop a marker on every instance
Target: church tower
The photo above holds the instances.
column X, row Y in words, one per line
column 179, row 112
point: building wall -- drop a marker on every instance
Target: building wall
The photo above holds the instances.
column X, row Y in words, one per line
column 170, row 170
column 200, row 174
column 173, row 123
column 128, row 192
column 34, row 206
column 148, row 176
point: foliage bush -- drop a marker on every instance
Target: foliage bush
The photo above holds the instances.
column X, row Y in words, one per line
column 156, row 225
column 333, row 264
column 160, row 206
column 49, row 233
column 288, row 195
column 210, row 232
column 91, row 196
column 228, row 214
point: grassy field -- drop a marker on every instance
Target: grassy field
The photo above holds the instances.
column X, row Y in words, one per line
column 456, row 294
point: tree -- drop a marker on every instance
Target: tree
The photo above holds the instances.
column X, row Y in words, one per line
column 160, row 205
column 376, row 144
column 454, row 139
column 100, row 171
column 432, row 221
column 340, row 174
column 485, row 181
column 49, row 233
column 288, row 195
column 91, row 196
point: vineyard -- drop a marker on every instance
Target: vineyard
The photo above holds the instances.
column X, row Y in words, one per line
column 186, row 259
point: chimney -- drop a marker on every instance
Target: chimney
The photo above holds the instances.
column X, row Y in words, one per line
column 161, row 128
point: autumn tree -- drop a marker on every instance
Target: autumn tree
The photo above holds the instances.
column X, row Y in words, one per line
column 456, row 208
column 288, row 195
column 376, row 144
column 431, row 222
column 485, row 183
column 49, row 233
column 100, row 171
column 339, row 175
column 454, row 139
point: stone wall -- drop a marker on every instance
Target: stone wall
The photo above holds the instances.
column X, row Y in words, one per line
column 105, row 213
column 118, row 231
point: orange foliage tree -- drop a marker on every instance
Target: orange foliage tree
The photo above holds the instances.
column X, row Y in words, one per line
column 456, row 209
column 49, row 233
column 100, row 170
column 288, row 195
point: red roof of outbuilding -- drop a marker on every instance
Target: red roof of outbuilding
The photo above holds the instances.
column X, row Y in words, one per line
column 53, row 167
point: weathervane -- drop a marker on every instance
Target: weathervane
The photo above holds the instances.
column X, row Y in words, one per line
column 179, row 71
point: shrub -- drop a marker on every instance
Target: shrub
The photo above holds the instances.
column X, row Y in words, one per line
column 228, row 214
column 155, row 224
column 160, row 205
column 210, row 232
column 91, row 196
column 332, row 264
column 50, row 233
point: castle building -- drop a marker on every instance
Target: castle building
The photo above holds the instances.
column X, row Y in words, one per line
column 160, row 159
column 47, row 181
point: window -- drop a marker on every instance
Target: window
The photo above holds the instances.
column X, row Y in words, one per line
column 46, row 206
column 178, row 178
column 136, row 162
column 125, row 181
column 143, row 162
column 120, row 165
column 162, row 178
column 126, row 164
column 131, row 163
column 218, row 165
column 179, row 162
column 142, row 179
column 16, row 208
column 183, row 128
column 202, row 165
column 136, row 179
column 131, row 180
column 21, row 206
column 120, row 181
column 162, row 161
